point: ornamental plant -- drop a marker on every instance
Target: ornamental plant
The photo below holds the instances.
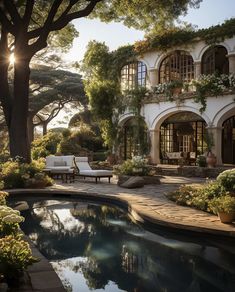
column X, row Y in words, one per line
column 211, row 85
column 3, row 196
column 168, row 88
column 9, row 221
column 223, row 204
column 227, row 179
column 15, row 174
column 135, row 166
column 15, row 256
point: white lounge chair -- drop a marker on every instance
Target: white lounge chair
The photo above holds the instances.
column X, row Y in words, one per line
column 61, row 166
column 85, row 170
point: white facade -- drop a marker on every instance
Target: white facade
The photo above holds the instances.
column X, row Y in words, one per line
column 218, row 108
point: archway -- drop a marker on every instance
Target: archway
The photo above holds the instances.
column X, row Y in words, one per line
column 184, row 133
column 133, row 138
column 228, row 141
column 215, row 60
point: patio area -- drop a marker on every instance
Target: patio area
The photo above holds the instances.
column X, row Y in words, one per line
column 147, row 204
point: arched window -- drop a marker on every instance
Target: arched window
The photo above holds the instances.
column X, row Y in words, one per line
column 133, row 75
column 214, row 60
column 177, row 66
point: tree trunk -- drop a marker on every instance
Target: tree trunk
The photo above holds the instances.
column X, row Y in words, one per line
column 44, row 128
column 30, row 129
column 18, row 130
column 5, row 97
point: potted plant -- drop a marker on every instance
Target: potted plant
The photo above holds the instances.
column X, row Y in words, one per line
column 224, row 206
column 210, row 158
column 201, row 161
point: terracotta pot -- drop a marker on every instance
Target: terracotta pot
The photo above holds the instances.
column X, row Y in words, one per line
column 226, row 217
column 177, row 91
column 211, row 159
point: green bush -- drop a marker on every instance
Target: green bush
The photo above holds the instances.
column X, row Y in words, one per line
column 9, row 221
column 198, row 197
column 15, row 256
column 224, row 204
column 227, row 179
column 3, row 196
column 135, row 166
column 46, row 145
column 100, row 156
column 201, row 161
column 20, row 175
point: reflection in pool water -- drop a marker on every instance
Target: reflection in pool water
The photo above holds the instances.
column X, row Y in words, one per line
column 97, row 247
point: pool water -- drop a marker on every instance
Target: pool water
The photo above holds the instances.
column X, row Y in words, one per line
column 96, row 247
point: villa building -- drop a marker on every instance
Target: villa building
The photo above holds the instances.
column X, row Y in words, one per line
column 178, row 124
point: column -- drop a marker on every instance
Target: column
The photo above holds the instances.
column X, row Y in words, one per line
column 231, row 60
column 155, row 146
column 153, row 77
column 217, row 139
column 197, row 69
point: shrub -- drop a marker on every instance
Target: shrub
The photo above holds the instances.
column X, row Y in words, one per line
column 201, row 161
column 15, row 256
column 197, row 197
column 3, row 196
column 9, row 221
column 227, row 179
column 46, row 145
column 224, row 204
column 135, row 166
column 100, row 156
column 183, row 196
column 20, row 175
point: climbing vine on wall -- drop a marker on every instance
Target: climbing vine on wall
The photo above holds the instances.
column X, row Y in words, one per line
column 177, row 37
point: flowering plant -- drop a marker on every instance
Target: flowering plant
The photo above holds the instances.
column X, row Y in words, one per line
column 213, row 85
column 9, row 220
column 15, row 256
column 135, row 166
column 168, row 88
column 224, row 204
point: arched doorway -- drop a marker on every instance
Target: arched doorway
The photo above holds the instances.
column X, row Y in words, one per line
column 228, row 141
column 134, row 138
column 185, row 133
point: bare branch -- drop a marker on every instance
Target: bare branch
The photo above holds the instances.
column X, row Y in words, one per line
column 64, row 19
column 28, row 12
column 11, row 8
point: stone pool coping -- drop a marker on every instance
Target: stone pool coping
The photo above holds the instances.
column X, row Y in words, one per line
column 145, row 205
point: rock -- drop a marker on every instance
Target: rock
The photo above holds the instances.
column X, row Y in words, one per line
column 21, row 206
column 148, row 179
column 133, row 182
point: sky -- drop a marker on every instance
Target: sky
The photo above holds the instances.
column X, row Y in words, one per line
column 211, row 12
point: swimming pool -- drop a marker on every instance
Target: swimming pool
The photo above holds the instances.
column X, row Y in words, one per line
column 97, row 247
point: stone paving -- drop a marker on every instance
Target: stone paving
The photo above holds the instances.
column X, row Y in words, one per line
column 153, row 206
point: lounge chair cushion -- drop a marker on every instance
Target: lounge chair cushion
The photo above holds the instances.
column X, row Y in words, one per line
column 59, row 169
column 60, row 163
column 96, row 173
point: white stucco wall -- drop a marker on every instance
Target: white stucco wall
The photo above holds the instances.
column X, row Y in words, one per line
column 218, row 108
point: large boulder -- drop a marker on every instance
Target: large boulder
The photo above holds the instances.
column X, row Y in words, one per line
column 133, row 182
column 148, row 180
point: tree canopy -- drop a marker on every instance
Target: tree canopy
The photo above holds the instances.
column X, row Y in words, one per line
column 27, row 27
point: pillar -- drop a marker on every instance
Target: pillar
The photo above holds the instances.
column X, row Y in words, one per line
column 231, row 60
column 217, row 139
column 155, row 146
column 197, row 69
column 153, row 77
